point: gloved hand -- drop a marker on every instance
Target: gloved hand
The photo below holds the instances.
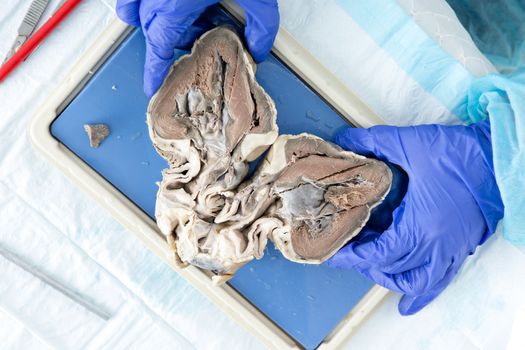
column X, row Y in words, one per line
column 167, row 25
column 451, row 206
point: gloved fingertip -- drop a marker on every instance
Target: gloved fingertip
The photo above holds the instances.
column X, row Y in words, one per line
column 158, row 63
column 335, row 261
column 357, row 140
column 409, row 305
column 259, row 54
column 152, row 84
column 259, row 46
column 150, row 89
column 331, row 263
column 262, row 25
column 345, row 258
column 128, row 11
column 259, row 57
column 154, row 77
column 340, row 136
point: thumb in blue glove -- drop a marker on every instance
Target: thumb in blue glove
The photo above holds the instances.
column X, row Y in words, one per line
column 451, row 206
column 169, row 25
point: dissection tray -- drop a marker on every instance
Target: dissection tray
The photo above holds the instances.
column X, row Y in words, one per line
column 286, row 304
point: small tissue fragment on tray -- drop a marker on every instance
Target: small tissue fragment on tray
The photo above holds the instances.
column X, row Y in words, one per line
column 209, row 120
column 96, row 133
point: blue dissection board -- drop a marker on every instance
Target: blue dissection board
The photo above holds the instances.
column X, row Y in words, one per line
column 306, row 301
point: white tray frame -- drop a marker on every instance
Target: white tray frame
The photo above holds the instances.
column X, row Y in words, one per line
column 139, row 224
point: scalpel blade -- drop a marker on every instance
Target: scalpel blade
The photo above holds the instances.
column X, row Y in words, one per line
column 31, row 19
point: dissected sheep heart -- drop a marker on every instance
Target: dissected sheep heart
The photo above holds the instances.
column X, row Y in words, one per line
column 208, row 120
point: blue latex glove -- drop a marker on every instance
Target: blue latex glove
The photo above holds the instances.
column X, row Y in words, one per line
column 168, row 25
column 451, row 206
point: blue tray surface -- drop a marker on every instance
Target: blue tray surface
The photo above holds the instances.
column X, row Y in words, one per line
column 306, row 301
